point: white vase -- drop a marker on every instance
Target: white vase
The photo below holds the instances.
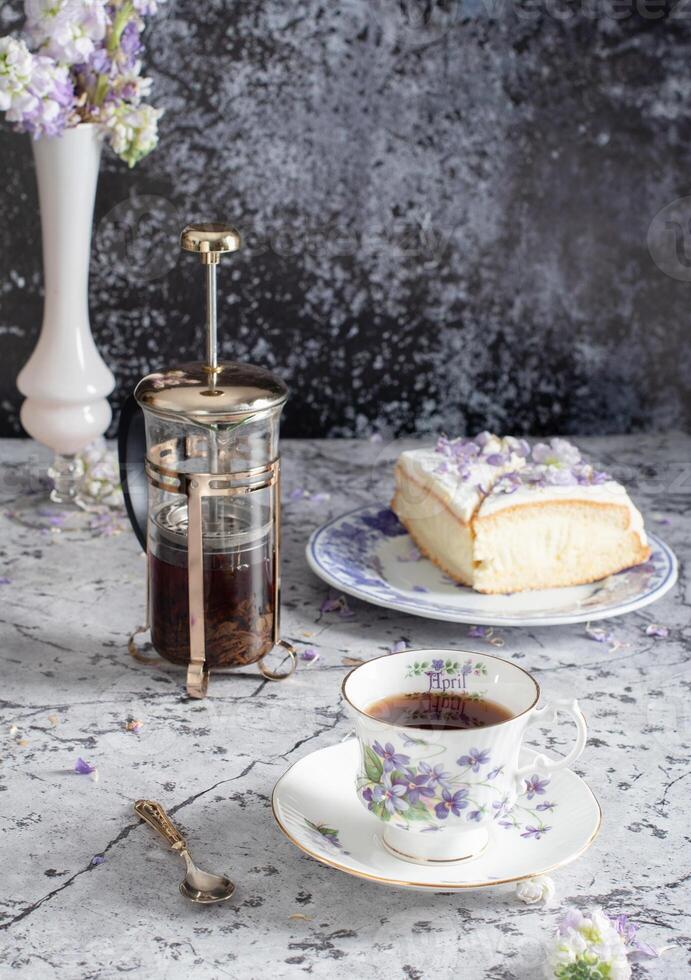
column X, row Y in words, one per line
column 65, row 380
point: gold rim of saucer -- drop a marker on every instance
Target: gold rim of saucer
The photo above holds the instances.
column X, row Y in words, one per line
column 434, row 885
column 471, row 653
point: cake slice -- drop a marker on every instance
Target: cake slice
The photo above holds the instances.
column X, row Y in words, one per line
column 500, row 516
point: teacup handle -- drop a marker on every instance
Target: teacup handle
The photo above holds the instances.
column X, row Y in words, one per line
column 544, row 763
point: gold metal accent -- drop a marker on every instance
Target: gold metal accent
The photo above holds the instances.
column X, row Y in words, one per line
column 241, row 391
column 197, row 672
column 132, row 647
column 435, row 885
column 156, row 817
column 470, row 653
column 210, row 239
column 274, row 675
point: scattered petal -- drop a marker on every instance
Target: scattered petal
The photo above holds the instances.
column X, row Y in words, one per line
column 4, row 580
column 298, row 494
column 97, row 859
column 598, row 633
column 399, row 646
column 656, row 629
column 352, row 661
column 337, row 604
column 309, row 655
column 301, row 916
column 134, row 725
column 54, row 720
column 535, row 890
column 83, row 768
column 23, row 742
column 94, row 776
column 13, row 729
column 480, row 632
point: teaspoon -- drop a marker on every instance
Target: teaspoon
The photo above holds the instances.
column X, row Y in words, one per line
column 197, row 885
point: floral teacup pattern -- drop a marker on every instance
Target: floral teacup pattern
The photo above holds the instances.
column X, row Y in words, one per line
column 452, row 783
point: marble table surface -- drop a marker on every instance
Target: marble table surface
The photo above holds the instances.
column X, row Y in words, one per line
column 67, row 604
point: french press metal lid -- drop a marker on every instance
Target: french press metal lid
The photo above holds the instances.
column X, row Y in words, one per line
column 211, row 521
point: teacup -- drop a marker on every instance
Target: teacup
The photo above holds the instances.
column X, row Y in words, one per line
column 439, row 791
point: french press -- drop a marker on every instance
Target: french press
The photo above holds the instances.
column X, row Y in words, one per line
column 208, row 513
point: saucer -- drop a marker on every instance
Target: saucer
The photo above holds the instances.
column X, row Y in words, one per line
column 315, row 806
column 368, row 554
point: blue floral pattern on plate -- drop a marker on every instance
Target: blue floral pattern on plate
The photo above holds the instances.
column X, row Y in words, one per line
column 367, row 553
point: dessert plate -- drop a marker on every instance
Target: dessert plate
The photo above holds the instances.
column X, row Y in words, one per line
column 369, row 554
column 315, row 806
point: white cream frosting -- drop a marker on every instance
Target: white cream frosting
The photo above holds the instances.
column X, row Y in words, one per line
column 462, row 497
column 473, row 497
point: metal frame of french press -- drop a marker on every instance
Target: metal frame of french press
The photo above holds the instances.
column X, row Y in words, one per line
column 209, row 242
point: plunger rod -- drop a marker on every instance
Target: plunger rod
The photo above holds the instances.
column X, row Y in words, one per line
column 211, row 317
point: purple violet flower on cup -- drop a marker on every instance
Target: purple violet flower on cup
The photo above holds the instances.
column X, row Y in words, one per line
column 392, row 759
column 390, row 794
column 474, row 759
column 451, row 803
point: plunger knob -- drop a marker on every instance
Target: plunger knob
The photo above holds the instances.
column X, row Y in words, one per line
column 210, row 240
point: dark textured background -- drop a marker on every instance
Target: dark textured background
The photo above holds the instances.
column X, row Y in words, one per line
column 445, row 210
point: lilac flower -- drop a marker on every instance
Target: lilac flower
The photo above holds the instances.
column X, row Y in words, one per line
column 132, row 129
column 83, row 768
column 66, row 30
column 496, row 459
column 413, row 554
column 636, row 950
column 435, row 775
column 309, row 655
column 520, row 447
column 390, row 794
column 451, row 803
column 535, row 832
column 399, row 646
column 474, row 759
column 479, row 632
column 392, row 759
column 438, row 665
column 535, row 786
column 598, row 634
column 655, row 629
column 337, row 604
column 415, row 786
column 43, row 107
column 559, row 453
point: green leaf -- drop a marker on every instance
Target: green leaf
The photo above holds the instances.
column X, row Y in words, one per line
column 418, row 812
column 380, row 811
column 373, row 765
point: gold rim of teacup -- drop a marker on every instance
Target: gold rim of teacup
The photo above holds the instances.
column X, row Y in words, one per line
column 403, row 653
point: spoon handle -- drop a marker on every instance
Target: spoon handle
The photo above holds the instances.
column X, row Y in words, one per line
column 156, row 817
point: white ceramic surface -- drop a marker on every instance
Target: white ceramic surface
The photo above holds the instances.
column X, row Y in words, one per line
column 316, row 808
column 436, row 792
column 65, row 380
column 367, row 553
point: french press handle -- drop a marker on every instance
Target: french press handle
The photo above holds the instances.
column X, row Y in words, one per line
column 131, row 455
